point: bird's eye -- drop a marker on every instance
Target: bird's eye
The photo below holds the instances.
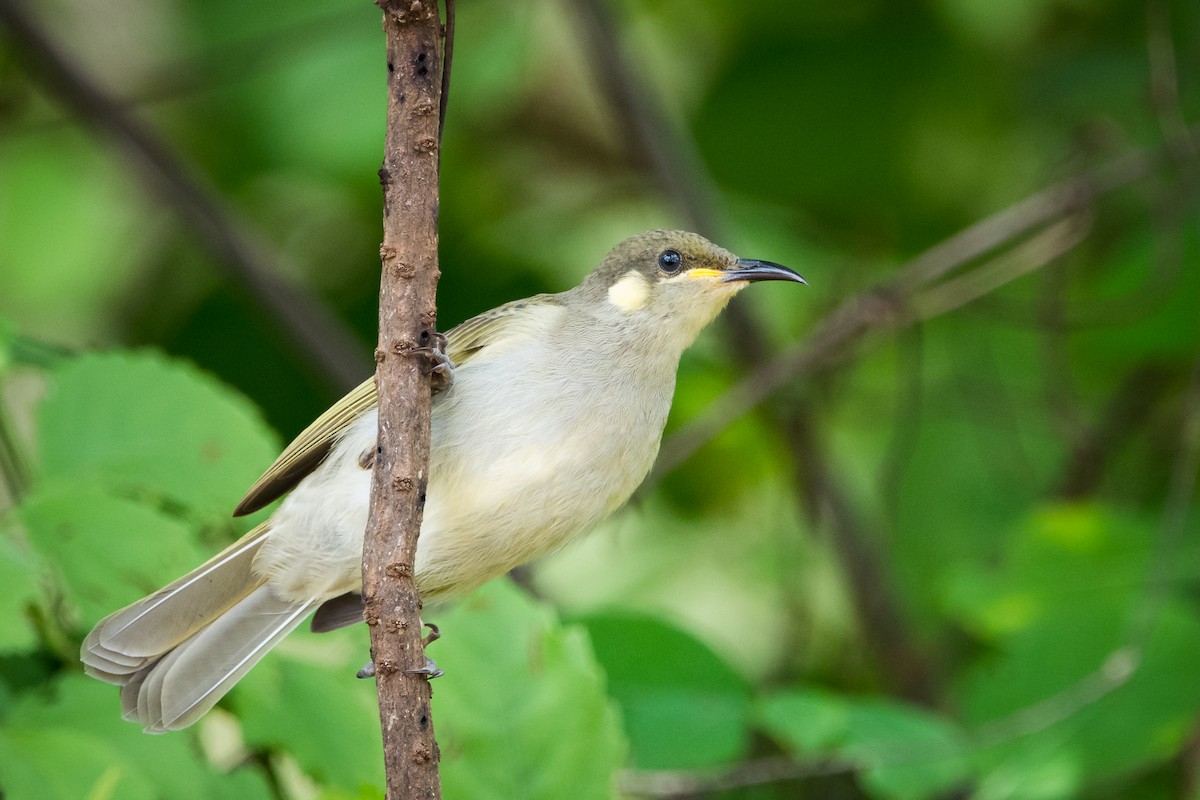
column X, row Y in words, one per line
column 670, row 261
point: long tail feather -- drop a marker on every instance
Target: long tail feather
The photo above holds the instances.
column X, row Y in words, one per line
column 128, row 640
column 177, row 652
column 189, row 681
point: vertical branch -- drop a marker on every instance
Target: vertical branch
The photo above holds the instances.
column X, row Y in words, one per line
column 407, row 318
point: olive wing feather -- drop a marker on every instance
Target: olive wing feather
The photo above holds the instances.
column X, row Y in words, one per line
column 313, row 444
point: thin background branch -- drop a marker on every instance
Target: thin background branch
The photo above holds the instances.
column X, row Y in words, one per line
column 966, row 267
column 914, row 294
column 674, row 164
column 322, row 342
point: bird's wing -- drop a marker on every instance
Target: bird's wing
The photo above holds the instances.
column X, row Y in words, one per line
column 308, row 449
column 475, row 334
column 314, row 443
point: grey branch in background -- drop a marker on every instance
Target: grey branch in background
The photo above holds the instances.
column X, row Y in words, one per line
column 321, row 340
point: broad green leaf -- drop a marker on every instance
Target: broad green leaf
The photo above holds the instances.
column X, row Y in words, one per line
column 56, row 280
column 902, row 752
column 1061, row 556
column 142, row 422
column 35, row 766
column 71, row 743
column 1045, row 774
column 18, row 588
column 108, row 550
column 521, row 711
column 309, row 703
column 683, row 706
column 905, row 752
column 1062, row 680
column 812, row 723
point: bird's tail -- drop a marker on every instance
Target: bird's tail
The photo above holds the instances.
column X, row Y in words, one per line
column 178, row 651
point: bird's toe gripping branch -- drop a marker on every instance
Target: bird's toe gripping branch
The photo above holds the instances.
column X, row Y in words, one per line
column 430, row 668
column 441, row 368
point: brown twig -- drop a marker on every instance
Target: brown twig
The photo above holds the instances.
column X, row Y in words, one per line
column 1139, row 391
column 407, row 327
column 1164, row 79
column 1178, row 506
column 890, row 305
column 883, row 308
column 904, row 666
column 322, row 341
column 905, row 430
column 1095, row 446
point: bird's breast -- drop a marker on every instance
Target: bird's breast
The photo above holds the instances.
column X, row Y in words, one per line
column 520, row 464
column 524, row 455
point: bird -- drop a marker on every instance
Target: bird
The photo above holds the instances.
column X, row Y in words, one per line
column 553, row 417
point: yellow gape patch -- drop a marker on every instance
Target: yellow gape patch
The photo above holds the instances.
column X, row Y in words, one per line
column 630, row 293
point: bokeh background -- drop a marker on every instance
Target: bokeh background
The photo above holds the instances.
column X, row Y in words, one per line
column 924, row 529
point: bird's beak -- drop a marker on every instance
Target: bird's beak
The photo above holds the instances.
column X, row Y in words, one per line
column 751, row 269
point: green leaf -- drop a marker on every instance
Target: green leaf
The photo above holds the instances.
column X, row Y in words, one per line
column 521, row 711
column 1055, row 774
column 902, row 752
column 18, row 588
column 108, row 550
column 1060, row 556
column 139, row 421
column 35, row 767
column 305, row 699
column 905, row 752
column 58, row 282
column 683, row 706
column 1061, row 677
column 812, row 723
column 73, row 744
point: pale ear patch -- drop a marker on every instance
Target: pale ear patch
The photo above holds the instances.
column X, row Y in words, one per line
column 630, row 293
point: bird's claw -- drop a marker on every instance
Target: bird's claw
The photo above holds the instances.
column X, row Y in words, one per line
column 441, row 372
column 430, row 669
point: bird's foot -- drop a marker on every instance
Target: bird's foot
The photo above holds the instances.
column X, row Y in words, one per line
column 430, row 669
column 441, row 371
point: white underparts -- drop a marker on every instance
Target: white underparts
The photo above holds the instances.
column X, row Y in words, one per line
column 630, row 293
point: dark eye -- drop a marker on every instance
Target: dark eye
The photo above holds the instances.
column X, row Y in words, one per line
column 670, row 261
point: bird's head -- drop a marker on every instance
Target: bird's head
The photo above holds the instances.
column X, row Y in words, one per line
column 673, row 278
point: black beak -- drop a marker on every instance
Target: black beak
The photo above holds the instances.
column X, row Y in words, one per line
column 751, row 269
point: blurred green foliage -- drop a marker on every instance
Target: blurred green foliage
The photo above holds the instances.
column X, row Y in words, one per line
column 1020, row 470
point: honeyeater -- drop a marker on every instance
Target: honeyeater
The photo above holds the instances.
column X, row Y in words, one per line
column 553, row 417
